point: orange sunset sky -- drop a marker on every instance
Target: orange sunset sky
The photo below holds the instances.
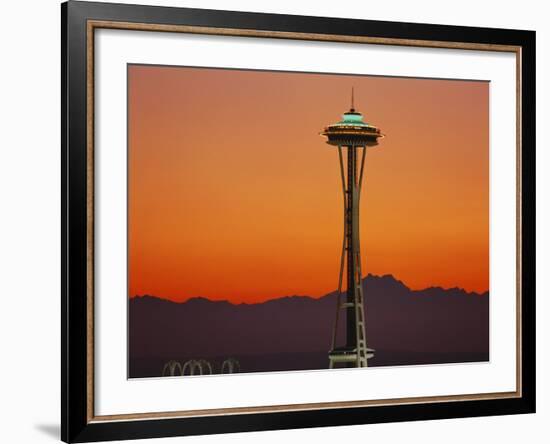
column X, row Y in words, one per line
column 234, row 195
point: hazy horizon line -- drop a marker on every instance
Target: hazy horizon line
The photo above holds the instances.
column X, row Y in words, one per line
column 388, row 275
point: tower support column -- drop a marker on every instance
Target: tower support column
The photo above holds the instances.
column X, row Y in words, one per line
column 354, row 353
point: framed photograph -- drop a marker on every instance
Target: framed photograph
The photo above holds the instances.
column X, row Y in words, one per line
column 275, row 221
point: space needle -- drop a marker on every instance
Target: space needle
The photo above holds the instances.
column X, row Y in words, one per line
column 351, row 136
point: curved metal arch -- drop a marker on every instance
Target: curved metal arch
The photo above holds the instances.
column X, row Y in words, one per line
column 206, row 366
column 232, row 366
column 171, row 366
column 189, row 364
column 196, row 365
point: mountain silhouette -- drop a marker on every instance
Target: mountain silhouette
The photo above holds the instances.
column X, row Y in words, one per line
column 294, row 332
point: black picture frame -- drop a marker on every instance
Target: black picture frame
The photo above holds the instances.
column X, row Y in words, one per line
column 76, row 326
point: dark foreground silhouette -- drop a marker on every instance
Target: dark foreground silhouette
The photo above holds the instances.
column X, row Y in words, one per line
column 405, row 327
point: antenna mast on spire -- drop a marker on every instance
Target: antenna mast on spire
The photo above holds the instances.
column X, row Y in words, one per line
column 352, row 104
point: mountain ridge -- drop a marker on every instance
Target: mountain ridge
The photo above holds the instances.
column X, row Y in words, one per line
column 386, row 277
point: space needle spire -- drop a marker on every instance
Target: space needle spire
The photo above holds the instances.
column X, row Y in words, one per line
column 351, row 136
